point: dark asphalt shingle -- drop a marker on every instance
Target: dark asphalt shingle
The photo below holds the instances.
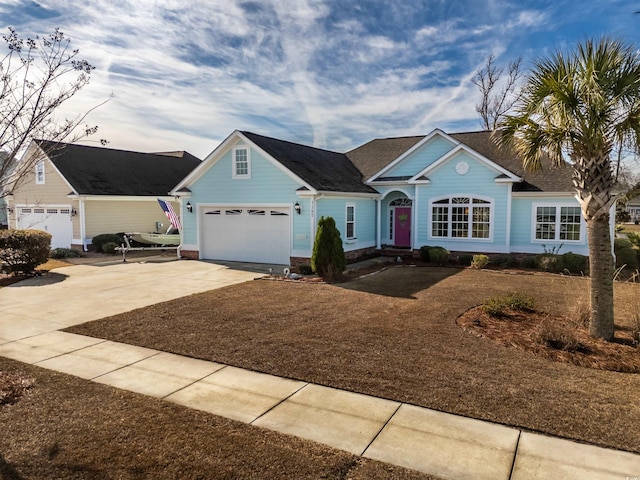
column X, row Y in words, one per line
column 373, row 156
column 322, row 169
column 105, row 171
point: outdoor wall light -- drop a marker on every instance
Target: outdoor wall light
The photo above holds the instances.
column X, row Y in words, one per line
column 74, row 212
column 189, row 207
column 297, row 208
column 9, row 210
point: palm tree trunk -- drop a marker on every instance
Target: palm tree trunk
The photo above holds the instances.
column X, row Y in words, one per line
column 601, row 274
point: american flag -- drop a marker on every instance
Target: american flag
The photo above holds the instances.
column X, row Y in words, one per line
column 171, row 215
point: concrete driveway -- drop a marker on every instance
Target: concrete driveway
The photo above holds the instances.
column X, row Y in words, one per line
column 80, row 293
column 441, row 444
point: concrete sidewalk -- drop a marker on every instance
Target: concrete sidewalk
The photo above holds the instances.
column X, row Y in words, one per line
column 437, row 443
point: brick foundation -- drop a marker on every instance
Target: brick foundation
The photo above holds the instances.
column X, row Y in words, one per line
column 190, row 254
column 361, row 254
column 352, row 256
column 297, row 261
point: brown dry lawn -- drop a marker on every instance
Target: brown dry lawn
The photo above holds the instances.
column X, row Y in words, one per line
column 394, row 335
column 67, row 428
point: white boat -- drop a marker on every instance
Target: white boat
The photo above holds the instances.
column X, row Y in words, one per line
column 149, row 238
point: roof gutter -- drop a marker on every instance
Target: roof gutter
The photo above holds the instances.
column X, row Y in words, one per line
column 344, row 194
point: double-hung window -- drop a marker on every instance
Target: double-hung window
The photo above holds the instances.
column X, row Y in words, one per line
column 40, row 172
column 560, row 223
column 241, row 162
column 350, row 223
column 465, row 217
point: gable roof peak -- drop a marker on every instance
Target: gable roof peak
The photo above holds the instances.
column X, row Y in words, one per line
column 323, row 170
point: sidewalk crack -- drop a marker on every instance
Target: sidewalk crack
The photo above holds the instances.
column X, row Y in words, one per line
column 515, row 454
column 381, row 429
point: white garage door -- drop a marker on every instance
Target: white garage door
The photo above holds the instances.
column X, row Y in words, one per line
column 54, row 220
column 247, row 234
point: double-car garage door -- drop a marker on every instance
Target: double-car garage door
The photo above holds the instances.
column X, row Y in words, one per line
column 246, row 234
column 55, row 220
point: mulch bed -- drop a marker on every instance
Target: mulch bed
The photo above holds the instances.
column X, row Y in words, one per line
column 13, row 386
column 394, row 335
column 525, row 329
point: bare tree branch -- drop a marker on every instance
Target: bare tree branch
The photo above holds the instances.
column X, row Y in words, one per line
column 37, row 75
column 497, row 103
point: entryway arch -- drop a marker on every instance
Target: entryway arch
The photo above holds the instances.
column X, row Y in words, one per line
column 400, row 219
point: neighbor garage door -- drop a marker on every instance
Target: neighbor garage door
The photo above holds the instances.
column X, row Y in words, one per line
column 254, row 234
column 53, row 219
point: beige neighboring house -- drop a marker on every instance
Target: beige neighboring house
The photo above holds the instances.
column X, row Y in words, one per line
column 633, row 207
column 76, row 192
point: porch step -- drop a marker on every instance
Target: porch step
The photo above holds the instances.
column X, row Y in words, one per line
column 397, row 252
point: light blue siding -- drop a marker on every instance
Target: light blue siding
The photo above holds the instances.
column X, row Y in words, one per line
column 365, row 227
column 268, row 185
column 422, row 158
column 385, row 218
column 478, row 181
column 523, row 227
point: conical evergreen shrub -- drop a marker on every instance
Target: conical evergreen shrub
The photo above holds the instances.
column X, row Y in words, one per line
column 328, row 259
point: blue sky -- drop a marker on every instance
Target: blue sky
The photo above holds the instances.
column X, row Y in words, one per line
column 182, row 75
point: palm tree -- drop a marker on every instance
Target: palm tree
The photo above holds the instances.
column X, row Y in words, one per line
column 578, row 106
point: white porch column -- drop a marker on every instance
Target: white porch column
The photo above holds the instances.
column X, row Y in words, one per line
column 83, row 227
column 378, row 223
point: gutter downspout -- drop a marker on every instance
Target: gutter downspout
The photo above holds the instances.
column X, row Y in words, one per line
column 509, row 204
column 314, row 218
column 181, row 207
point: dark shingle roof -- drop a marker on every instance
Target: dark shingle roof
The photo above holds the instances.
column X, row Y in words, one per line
column 322, row 169
column 373, row 156
column 105, row 171
column 549, row 179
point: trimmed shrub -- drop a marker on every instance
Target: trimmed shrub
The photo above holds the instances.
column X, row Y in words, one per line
column 479, row 261
column 497, row 306
column 328, row 259
column 505, row 261
column 99, row 240
column 549, row 262
column 529, row 262
column 625, row 253
column 619, row 243
column 109, row 247
column 438, row 255
column 305, row 270
column 575, row 262
column 24, row 250
column 64, row 253
column 634, row 238
column 465, row 259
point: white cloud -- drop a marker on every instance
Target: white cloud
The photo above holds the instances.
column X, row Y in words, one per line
column 186, row 74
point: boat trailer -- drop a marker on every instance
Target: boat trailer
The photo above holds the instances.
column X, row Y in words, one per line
column 126, row 247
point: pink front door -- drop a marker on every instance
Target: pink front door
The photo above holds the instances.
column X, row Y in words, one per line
column 402, row 227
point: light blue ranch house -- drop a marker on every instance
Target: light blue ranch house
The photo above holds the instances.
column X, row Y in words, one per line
column 259, row 199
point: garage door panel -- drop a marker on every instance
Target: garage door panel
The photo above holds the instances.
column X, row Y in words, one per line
column 254, row 234
column 51, row 219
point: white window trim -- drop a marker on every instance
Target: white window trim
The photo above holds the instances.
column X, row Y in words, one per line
column 557, row 206
column 234, row 164
column 354, row 238
column 40, row 166
column 469, row 238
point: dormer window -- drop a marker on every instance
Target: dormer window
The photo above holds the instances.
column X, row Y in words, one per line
column 40, row 172
column 241, row 163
